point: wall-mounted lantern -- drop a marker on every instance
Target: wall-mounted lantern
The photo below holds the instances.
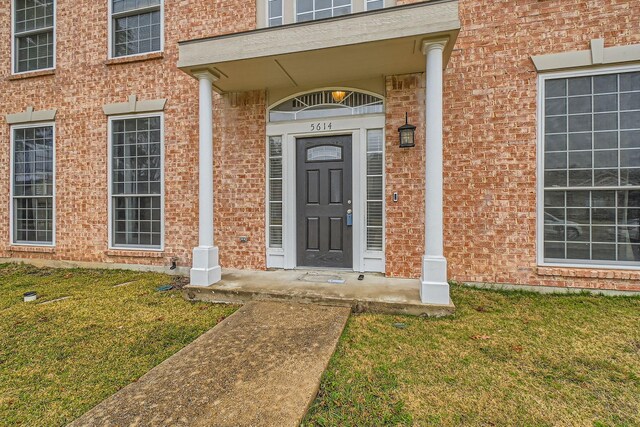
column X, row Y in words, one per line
column 407, row 133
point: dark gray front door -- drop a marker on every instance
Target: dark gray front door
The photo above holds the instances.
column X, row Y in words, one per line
column 324, row 201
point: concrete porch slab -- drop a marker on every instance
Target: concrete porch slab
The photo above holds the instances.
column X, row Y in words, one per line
column 375, row 293
column 260, row 367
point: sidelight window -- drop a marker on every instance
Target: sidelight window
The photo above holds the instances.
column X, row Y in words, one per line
column 275, row 192
column 375, row 173
column 136, row 186
column 591, row 169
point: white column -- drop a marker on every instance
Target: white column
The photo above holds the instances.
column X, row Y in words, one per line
column 434, row 288
column 206, row 268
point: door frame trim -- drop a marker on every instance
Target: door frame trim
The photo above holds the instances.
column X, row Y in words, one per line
column 356, row 126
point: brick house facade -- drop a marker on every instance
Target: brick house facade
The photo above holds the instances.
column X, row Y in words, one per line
column 491, row 172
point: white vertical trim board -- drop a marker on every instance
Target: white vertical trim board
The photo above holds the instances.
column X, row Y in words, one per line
column 110, row 189
column 11, row 178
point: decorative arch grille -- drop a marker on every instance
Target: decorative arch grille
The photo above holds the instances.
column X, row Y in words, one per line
column 326, row 103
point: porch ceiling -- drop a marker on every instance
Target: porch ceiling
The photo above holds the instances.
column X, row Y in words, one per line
column 336, row 50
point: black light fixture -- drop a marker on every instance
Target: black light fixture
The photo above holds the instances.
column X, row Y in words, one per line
column 407, row 133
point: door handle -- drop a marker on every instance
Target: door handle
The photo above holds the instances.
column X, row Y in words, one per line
column 349, row 217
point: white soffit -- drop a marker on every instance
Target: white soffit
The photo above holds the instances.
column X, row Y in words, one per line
column 597, row 55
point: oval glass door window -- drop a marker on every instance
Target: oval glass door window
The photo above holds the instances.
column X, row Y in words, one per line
column 324, row 153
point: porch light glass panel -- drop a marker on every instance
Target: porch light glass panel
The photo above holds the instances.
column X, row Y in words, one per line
column 137, row 27
column 275, row 192
column 322, row 104
column 309, row 10
column 136, row 180
column 592, row 169
column 275, row 12
column 33, row 185
column 33, row 29
column 375, row 172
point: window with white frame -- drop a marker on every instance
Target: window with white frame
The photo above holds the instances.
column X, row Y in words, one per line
column 591, row 168
column 33, row 30
column 374, row 4
column 275, row 12
column 275, row 191
column 136, row 27
column 309, row 10
column 137, row 182
column 33, row 185
column 375, row 165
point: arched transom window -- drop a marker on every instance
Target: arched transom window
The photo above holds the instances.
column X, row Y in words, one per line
column 326, row 103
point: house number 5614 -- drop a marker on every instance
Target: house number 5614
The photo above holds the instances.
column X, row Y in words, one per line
column 320, row 126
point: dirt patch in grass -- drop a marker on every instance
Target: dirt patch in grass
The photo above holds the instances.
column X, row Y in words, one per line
column 58, row 360
column 503, row 359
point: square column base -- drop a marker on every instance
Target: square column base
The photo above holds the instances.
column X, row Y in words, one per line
column 434, row 288
column 206, row 268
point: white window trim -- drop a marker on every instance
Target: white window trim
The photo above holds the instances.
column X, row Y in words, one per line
column 111, row 35
column 110, row 189
column 14, row 64
column 12, row 241
column 540, row 168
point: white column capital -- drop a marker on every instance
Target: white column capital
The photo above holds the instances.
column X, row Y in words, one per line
column 428, row 45
column 205, row 74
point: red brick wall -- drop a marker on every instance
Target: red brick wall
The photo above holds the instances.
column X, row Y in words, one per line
column 405, row 175
column 240, row 174
column 490, row 140
column 83, row 81
column 490, row 133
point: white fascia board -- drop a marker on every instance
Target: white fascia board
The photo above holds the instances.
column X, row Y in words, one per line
column 404, row 21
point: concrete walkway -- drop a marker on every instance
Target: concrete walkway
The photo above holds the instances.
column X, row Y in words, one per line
column 259, row 367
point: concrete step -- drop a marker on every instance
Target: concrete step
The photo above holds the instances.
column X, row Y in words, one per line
column 375, row 293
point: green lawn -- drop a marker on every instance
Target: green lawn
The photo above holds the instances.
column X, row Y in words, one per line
column 504, row 359
column 60, row 359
